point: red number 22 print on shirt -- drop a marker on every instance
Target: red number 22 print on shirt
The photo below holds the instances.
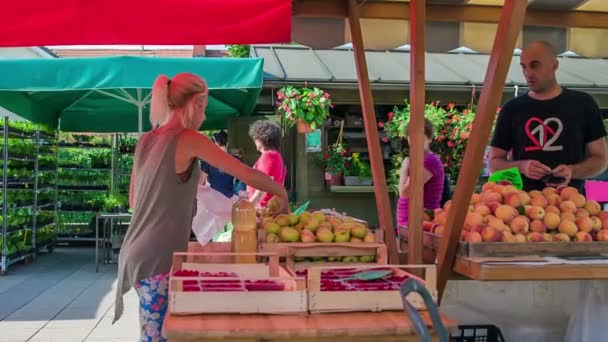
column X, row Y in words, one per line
column 543, row 134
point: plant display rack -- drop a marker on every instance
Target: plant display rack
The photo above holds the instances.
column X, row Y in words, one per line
column 125, row 154
column 28, row 194
column 84, row 182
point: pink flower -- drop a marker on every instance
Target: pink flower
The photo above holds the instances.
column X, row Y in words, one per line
column 385, row 140
column 464, row 136
column 280, row 95
column 456, row 117
column 466, row 111
column 433, row 104
column 380, row 124
column 326, row 156
column 391, row 115
column 451, row 105
column 451, row 144
column 498, row 110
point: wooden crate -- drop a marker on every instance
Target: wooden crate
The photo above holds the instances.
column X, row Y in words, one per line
column 430, row 243
column 293, row 299
column 558, row 249
column 504, row 249
column 282, row 248
column 378, row 250
column 351, row 301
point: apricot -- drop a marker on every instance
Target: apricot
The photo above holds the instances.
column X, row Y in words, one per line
column 520, row 225
column 535, row 193
column 552, row 220
column 508, row 237
column 535, row 237
column 567, row 192
column 581, row 212
column 561, row 237
column 490, row 234
column 539, row 201
column 584, row 224
column 602, row 235
column 519, row 238
column 593, row 207
column 482, row 209
column 491, row 196
column 506, row 213
column 525, row 198
column 474, row 237
column 552, row 209
column 554, row 199
column 568, row 227
column 488, row 186
column 583, row 237
column 567, row 207
column 549, row 191
column 578, row 200
column 568, row 216
column 475, row 198
column 536, row 213
column 597, row 223
column 538, row 226
column 512, row 199
column 473, row 219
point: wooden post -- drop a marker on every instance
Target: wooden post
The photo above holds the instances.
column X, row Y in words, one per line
column 371, row 131
column 416, row 131
column 511, row 22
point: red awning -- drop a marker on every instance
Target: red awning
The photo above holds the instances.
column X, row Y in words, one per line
column 160, row 22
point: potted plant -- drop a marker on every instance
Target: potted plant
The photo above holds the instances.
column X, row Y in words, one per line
column 335, row 164
column 359, row 172
column 305, row 107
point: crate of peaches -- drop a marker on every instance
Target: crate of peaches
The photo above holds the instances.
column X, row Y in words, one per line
column 339, row 289
column 326, row 228
column 198, row 287
column 504, row 221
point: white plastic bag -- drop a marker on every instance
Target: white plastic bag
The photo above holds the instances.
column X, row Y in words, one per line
column 213, row 212
column 588, row 321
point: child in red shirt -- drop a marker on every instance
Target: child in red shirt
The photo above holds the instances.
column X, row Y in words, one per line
column 267, row 138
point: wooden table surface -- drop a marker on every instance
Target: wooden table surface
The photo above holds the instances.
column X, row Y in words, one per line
column 334, row 327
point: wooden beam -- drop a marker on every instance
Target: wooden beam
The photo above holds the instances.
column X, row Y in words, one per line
column 450, row 13
column 371, row 132
column 510, row 25
column 416, row 131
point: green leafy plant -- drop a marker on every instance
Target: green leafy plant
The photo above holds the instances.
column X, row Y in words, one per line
column 335, row 159
column 239, row 51
column 311, row 105
column 358, row 167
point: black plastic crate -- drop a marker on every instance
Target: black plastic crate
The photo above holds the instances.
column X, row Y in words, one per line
column 478, row 333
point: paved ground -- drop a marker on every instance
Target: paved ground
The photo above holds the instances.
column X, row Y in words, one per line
column 60, row 297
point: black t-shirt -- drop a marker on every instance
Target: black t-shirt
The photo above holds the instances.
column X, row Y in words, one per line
column 553, row 132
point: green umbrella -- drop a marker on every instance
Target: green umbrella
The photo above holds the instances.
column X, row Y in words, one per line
column 112, row 94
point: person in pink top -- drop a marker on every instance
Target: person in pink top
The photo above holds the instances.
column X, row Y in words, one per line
column 433, row 179
column 267, row 138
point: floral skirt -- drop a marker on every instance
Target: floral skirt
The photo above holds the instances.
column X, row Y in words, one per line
column 153, row 298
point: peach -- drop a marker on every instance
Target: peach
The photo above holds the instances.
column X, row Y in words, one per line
column 578, row 200
column 568, row 216
column 602, row 235
column 552, row 220
column 478, row 228
column 508, row 237
column 520, row 225
column 535, row 193
column 471, row 208
column 509, row 189
column 567, row 207
column 547, row 237
column 474, row 237
column 549, row 191
column 535, row 237
column 473, row 219
column 597, row 223
column 506, row 213
column 525, row 198
column 427, row 226
column 491, row 196
column 441, row 218
column 495, row 222
column 437, row 211
column 593, row 207
column 490, row 234
column 493, row 206
column 475, row 198
column 583, row 237
column 512, row 199
column 539, row 201
column 605, row 223
column 447, row 205
column 584, row 224
column 519, row 238
column 581, row 212
column 482, row 209
column 561, row 237
column 567, row 192
column 538, row 226
column 536, row 213
column 568, row 227
column 603, row 215
column 498, row 187
column 488, row 186
column 439, row 230
column 463, row 235
column 554, row 199
column 552, row 209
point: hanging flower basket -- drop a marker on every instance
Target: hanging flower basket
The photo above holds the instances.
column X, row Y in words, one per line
column 308, row 108
column 303, row 127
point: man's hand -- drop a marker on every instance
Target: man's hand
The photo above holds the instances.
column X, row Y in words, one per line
column 534, row 169
column 563, row 171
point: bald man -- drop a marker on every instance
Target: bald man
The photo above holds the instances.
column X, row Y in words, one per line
column 556, row 134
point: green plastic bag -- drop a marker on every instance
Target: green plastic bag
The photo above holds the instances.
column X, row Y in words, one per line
column 512, row 175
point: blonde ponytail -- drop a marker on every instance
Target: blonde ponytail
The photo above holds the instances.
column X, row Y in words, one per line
column 159, row 103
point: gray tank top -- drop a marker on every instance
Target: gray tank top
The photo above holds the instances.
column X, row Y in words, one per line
column 162, row 217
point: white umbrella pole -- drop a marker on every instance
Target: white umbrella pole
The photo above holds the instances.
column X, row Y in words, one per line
column 140, row 109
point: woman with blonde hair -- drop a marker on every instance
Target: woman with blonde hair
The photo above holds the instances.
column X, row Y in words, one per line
column 162, row 194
